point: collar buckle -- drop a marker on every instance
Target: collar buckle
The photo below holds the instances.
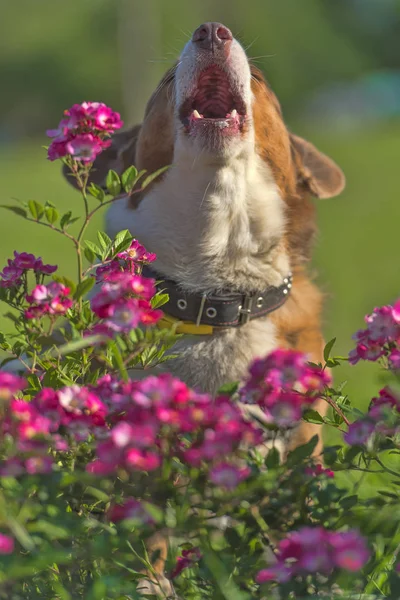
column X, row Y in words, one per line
column 246, row 309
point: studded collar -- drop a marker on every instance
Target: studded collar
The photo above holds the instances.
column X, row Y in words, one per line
column 225, row 309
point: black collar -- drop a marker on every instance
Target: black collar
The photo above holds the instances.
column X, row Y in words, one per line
column 225, row 309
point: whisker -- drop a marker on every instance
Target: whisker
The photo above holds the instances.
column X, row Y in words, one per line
column 252, row 43
column 262, row 56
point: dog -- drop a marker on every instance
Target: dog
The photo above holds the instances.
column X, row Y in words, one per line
column 232, row 221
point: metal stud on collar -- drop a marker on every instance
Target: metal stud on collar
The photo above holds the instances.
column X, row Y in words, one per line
column 181, row 304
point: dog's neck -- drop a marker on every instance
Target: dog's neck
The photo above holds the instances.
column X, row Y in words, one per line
column 212, row 223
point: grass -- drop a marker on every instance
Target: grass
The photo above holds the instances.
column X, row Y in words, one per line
column 354, row 258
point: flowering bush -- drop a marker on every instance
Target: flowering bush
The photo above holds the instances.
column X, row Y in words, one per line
column 95, row 462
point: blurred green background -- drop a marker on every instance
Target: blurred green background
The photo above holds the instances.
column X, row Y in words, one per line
column 334, row 64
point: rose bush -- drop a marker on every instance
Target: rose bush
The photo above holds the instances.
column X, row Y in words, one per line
column 95, row 462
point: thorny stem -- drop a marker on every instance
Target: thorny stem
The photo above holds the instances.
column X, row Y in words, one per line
column 337, row 409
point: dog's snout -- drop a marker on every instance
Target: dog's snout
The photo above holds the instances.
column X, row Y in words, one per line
column 212, row 36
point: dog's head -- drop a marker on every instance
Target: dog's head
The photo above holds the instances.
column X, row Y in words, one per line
column 213, row 103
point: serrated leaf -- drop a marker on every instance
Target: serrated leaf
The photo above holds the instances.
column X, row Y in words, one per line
column 96, row 191
column 36, row 209
column 51, row 215
column 152, row 177
column 113, row 183
column 94, row 248
column 16, row 210
column 273, row 459
column 104, row 240
column 228, row 389
column 84, row 287
column 312, row 416
column 159, row 300
column 90, row 255
column 328, row 348
column 65, row 219
column 122, row 236
column 301, row 452
column 129, row 178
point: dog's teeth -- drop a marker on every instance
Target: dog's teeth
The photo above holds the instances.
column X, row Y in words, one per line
column 234, row 114
column 196, row 114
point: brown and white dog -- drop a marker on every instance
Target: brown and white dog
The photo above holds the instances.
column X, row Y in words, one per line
column 234, row 211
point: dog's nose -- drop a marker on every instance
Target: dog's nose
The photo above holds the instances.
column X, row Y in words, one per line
column 212, row 36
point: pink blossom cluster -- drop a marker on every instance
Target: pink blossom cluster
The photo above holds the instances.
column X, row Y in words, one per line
column 83, row 132
column 380, row 338
column 188, row 558
column 12, row 274
column 316, row 550
column 130, row 508
column 282, row 384
column 51, row 299
column 160, row 417
column 131, row 260
column 44, row 423
column 124, row 302
column 383, row 418
column 10, row 385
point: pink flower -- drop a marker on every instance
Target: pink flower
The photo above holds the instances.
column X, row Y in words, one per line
column 24, row 260
column 188, row 559
column 380, row 338
column 394, row 359
column 396, row 311
column 316, row 550
column 137, row 253
column 349, row 550
column 279, row 572
column 315, row 471
column 83, row 131
column 359, row 432
column 38, row 464
column 130, row 509
column 10, row 385
column 86, row 147
column 11, row 275
column 6, row 544
column 282, row 384
column 51, row 299
column 125, row 315
column 228, row 476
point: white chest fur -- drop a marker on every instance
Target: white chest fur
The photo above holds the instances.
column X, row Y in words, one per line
column 213, row 227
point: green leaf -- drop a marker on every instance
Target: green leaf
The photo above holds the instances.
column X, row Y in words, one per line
column 94, row 248
column 65, row 219
column 159, row 300
column 51, row 215
column 21, row 212
column 152, row 177
column 312, row 416
column 84, row 287
column 228, row 389
column 97, row 192
column 113, row 183
column 302, row 452
column 122, row 241
column 90, row 255
column 222, row 578
column 119, row 362
column 349, row 501
column 36, row 209
column 273, row 459
column 129, row 178
column 328, row 348
column 104, row 240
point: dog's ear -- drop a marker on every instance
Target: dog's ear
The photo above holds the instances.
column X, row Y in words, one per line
column 119, row 156
column 316, row 171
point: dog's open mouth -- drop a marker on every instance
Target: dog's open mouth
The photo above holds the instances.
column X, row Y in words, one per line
column 213, row 104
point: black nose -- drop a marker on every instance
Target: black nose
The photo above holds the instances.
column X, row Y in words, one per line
column 212, row 36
